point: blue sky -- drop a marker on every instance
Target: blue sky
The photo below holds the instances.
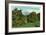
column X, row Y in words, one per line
column 27, row 9
column 24, row 8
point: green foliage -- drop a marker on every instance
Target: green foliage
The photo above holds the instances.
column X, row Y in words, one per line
column 19, row 20
column 38, row 15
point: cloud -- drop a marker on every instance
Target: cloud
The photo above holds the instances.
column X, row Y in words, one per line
column 18, row 8
column 27, row 12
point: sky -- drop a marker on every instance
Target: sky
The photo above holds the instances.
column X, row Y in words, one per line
column 27, row 9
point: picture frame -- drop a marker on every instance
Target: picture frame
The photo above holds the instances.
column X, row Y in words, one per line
column 23, row 30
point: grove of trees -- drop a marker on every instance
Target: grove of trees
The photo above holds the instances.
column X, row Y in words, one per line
column 20, row 20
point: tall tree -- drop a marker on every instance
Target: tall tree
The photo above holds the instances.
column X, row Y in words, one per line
column 32, row 17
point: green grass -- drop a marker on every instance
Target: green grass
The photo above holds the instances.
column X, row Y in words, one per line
column 36, row 24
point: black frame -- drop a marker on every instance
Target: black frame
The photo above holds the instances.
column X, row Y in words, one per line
column 6, row 16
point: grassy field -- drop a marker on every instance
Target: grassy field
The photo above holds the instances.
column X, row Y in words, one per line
column 36, row 24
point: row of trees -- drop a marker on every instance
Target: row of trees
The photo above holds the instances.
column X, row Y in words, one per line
column 19, row 19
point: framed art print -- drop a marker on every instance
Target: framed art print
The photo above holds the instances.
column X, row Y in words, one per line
column 24, row 17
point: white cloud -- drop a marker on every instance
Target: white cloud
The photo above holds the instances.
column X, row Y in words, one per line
column 18, row 8
column 27, row 12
